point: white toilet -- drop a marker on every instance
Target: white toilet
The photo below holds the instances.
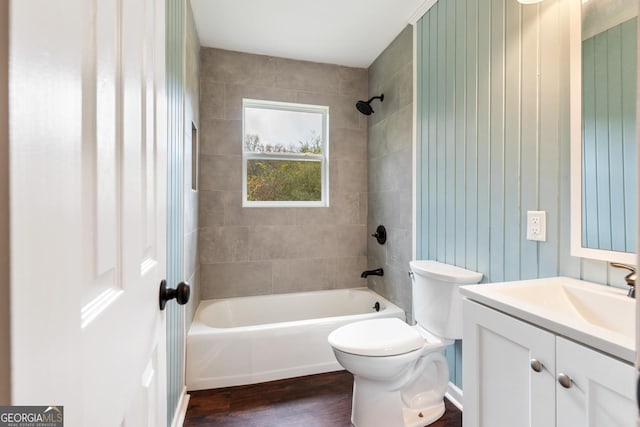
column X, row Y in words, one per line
column 400, row 372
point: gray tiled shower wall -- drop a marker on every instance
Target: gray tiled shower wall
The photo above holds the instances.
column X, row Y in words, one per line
column 390, row 169
column 257, row 251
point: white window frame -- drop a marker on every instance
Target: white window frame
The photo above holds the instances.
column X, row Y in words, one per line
column 323, row 158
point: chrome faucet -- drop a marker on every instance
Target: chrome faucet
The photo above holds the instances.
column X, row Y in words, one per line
column 629, row 278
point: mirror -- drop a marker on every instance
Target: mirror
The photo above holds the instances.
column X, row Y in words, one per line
column 603, row 129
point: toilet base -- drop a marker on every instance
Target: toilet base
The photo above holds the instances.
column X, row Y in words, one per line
column 422, row 417
column 414, row 397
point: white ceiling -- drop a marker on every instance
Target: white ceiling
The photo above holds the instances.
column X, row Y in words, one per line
column 344, row 32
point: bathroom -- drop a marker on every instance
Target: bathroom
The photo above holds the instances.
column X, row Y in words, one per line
column 504, row 155
column 474, row 131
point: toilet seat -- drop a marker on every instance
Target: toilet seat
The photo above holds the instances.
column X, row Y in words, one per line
column 377, row 337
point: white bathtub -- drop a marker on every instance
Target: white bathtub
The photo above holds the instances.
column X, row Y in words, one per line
column 248, row 340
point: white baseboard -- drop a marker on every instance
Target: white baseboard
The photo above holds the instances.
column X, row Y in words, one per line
column 454, row 394
column 181, row 412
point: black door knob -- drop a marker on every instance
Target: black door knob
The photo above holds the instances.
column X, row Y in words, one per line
column 181, row 293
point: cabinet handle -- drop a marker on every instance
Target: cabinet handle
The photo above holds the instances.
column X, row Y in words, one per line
column 565, row 380
column 536, row 365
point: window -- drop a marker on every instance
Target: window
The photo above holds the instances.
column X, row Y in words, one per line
column 285, row 154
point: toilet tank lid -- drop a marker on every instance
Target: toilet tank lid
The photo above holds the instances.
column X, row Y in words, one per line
column 445, row 272
column 376, row 337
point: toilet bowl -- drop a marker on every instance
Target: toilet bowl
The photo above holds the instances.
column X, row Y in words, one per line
column 400, row 372
column 387, row 356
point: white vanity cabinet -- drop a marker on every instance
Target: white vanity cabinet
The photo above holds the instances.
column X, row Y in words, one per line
column 602, row 389
column 500, row 388
column 511, row 370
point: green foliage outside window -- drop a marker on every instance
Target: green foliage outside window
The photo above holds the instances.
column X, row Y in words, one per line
column 284, row 180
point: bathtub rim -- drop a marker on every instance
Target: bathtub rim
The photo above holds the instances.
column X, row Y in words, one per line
column 199, row 328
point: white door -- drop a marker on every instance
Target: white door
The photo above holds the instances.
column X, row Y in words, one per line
column 503, row 386
column 597, row 390
column 88, row 177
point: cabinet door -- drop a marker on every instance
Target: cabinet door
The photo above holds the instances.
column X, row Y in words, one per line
column 601, row 392
column 500, row 387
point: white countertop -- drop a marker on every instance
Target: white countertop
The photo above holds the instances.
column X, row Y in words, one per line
column 601, row 317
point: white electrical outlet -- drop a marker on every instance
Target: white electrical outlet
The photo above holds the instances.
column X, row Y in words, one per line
column 537, row 225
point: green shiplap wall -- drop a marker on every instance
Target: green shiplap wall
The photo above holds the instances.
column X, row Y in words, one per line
column 175, row 185
column 609, row 138
column 493, row 141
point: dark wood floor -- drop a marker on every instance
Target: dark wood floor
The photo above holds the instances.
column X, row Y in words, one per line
column 322, row 400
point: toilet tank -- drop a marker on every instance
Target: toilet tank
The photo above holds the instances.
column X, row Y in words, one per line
column 437, row 303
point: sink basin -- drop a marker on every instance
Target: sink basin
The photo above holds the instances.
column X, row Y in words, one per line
column 602, row 317
column 599, row 307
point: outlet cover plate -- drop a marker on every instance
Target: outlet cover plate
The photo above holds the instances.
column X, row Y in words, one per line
column 537, row 226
